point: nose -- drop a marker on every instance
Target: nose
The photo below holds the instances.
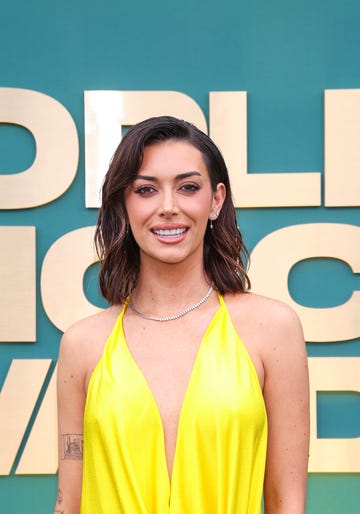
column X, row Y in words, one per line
column 168, row 205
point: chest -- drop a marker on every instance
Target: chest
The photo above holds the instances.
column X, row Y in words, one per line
column 166, row 355
column 190, row 445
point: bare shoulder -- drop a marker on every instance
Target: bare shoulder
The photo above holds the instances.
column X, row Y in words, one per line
column 87, row 329
column 262, row 310
column 83, row 343
column 270, row 322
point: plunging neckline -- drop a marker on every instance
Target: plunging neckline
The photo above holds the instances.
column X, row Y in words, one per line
column 220, row 447
column 188, row 387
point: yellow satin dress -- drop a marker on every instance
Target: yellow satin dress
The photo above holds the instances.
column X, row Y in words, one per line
column 221, row 443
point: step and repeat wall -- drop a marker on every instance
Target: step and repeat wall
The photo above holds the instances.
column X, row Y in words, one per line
column 277, row 86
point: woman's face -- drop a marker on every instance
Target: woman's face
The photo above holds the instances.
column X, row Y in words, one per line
column 170, row 202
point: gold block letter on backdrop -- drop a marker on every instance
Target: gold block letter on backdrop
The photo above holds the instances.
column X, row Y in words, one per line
column 17, row 284
column 228, row 128
column 106, row 112
column 333, row 374
column 62, row 278
column 40, row 453
column 17, row 401
column 57, row 149
column 293, row 244
column 342, row 148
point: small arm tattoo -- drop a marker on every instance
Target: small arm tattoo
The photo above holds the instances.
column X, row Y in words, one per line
column 72, row 446
column 59, row 496
column 59, row 500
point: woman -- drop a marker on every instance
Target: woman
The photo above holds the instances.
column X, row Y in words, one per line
column 192, row 391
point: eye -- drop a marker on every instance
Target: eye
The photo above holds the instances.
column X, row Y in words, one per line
column 189, row 187
column 144, row 190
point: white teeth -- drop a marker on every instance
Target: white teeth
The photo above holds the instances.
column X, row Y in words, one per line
column 170, row 232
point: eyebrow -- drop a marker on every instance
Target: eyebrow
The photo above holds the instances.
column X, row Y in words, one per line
column 180, row 176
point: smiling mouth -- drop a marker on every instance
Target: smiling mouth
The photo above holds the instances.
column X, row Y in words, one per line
column 173, row 232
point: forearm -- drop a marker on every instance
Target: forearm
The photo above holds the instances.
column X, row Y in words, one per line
column 67, row 503
column 71, row 401
column 285, row 509
column 291, row 502
column 69, row 483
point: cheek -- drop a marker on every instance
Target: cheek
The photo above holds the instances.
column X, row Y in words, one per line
column 137, row 211
column 132, row 205
column 202, row 206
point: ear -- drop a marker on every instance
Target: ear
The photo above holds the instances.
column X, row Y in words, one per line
column 218, row 199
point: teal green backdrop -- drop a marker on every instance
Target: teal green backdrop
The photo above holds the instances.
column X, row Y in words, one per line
column 283, row 53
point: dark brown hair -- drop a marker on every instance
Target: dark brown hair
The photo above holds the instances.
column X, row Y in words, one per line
column 118, row 252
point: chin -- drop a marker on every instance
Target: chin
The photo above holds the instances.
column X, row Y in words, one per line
column 170, row 258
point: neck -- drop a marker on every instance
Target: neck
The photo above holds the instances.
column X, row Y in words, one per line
column 169, row 286
column 172, row 317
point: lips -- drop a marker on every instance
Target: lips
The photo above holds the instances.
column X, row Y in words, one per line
column 170, row 232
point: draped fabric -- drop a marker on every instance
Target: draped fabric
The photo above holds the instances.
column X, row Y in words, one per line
column 221, row 442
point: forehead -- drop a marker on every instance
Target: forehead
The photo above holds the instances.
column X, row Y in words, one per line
column 172, row 156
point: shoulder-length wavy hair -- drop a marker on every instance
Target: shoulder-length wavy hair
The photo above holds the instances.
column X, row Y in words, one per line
column 224, row 251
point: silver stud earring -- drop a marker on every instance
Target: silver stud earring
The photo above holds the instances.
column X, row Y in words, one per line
column 213, row 217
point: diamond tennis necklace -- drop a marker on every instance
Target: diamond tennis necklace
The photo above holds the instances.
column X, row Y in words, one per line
column 175, row 316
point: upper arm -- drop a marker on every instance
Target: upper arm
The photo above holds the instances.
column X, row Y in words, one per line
column 286, row 393
column 71, row 404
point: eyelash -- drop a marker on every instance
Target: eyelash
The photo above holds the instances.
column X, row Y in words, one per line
column 148, row 190
column 190, row 188
column 143, row 190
